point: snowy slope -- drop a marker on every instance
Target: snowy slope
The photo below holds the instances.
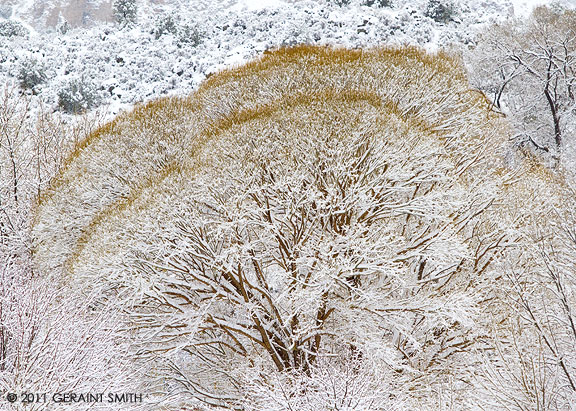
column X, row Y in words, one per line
column 523, row 8
column 176, row 43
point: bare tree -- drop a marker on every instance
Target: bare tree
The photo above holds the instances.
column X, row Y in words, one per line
column 51, row 340
column 529, row 67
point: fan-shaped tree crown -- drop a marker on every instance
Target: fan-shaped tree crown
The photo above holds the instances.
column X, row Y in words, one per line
column 316, row 203
column 112, row 163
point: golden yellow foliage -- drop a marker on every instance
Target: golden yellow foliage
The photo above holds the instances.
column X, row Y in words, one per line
column 371, row 175
column 139, row 149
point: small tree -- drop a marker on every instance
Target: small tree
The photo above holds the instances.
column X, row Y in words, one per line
column 77, row 95
column 440, row 11
column 125, row 12
column 63, row 27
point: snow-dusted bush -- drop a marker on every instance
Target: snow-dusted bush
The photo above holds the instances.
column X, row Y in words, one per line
column 441, row 11
column 166, row 25
column 377, row 3
column 189, row 35
column 31, row 73
column 78, row 94
column 341, row 3
column 10, row 28
column 185, row 33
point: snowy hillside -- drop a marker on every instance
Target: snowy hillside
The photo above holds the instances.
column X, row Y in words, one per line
column 175, row 44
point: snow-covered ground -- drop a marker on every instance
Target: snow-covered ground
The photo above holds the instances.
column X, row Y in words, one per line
column 523, row 8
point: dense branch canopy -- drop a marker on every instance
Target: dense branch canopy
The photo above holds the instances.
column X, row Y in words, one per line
column 314, row 204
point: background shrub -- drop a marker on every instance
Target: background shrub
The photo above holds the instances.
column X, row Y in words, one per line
column 78, row 95
column 439, row 11
column 377, row 3
column 9, row 28
column 189, row 34
column 31, row 73
column 166, row 25
column 185, row 33
column 342, row 3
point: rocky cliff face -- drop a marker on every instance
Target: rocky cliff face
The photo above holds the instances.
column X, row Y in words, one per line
column 45, row 14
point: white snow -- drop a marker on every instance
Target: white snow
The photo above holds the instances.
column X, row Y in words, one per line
column 523, row 8
column 253, row 5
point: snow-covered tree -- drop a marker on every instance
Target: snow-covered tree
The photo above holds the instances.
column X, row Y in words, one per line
column 125, row 12
column 50, row 340
column 532, row 364
column 319, row 204
column 529, row 70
